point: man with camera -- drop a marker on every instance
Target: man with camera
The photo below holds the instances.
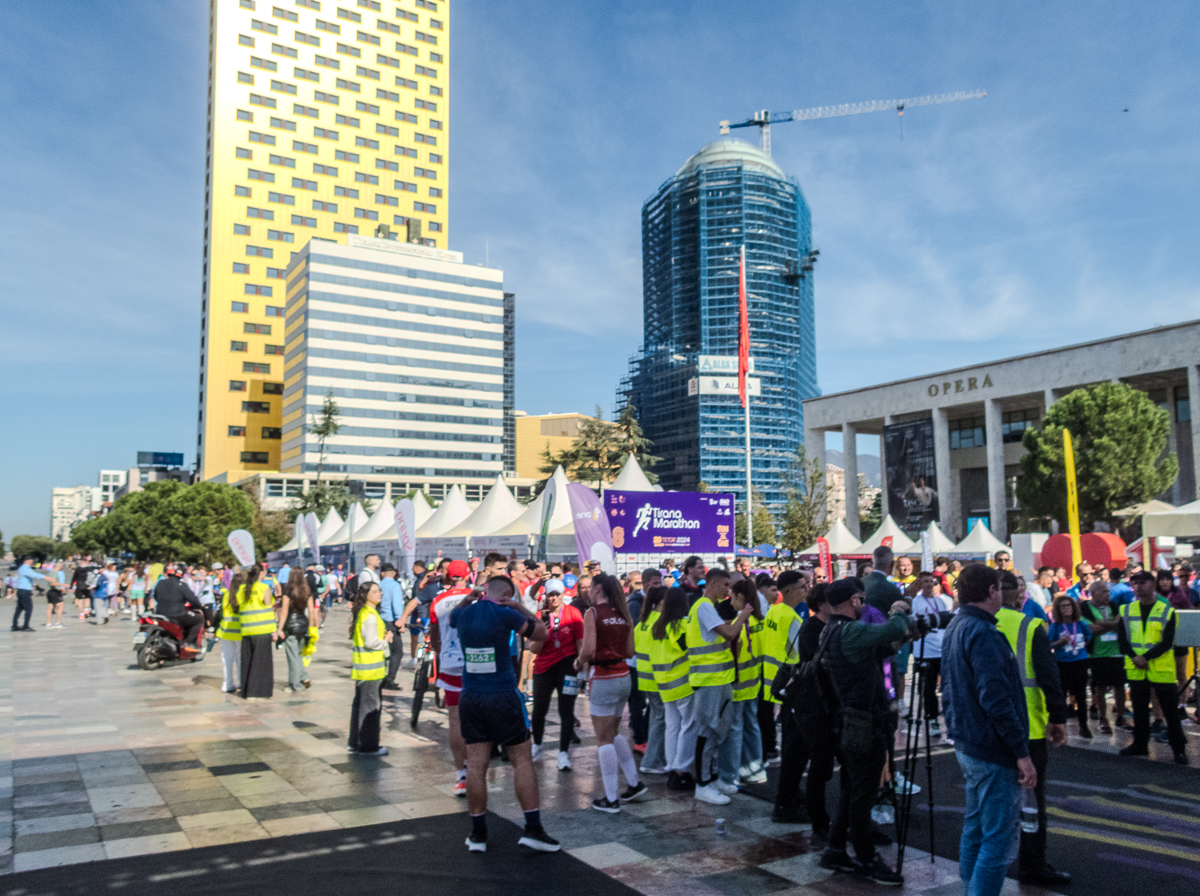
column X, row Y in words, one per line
column 983, row 700
column 854, row 653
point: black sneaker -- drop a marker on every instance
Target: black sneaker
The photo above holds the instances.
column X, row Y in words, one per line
column 789, row 815
column 838, row 860
column 1157, row 726
column 476, row 845
column 1085, row 732
column 1181, row 757
column 603, row 804
column 681, row 782
column 635, row 792
column 819, row 835
column 1046, row 876
column 880, row 873
column 537, row 838
column 1135, row 750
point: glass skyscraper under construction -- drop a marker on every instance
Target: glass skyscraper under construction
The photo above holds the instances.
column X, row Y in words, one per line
column 727, row 195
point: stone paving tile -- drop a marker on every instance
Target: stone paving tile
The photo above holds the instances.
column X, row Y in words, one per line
column 56, row 839
column 131, row 796
column 55, row 823
column 65, row 855
column 140, row 846
column 216, row 819
column 299, row 824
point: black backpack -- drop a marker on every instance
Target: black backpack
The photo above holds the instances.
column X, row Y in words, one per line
column 808, row 693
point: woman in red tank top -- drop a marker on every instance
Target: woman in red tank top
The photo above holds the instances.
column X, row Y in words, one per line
column 607, row 643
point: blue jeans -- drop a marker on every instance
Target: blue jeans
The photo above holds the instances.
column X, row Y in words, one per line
column 743, row 746
column 991, row 825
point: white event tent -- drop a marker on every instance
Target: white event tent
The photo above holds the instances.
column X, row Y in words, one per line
column 432, row 540
column 841, row 541
column 940, row 542
column 901, row 543
column 1182, row 521
column 980, row 542
column 631, row 478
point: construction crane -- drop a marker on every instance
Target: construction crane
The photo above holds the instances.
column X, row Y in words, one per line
column 764, row 119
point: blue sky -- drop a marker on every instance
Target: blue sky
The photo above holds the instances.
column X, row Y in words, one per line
column 1042, row 215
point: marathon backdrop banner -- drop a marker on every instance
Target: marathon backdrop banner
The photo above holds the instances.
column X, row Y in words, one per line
column 911, row 474
column 670, row 522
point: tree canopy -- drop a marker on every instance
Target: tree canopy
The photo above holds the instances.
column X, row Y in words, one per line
column 601, row 449
column 1118, row 435
column 323, row 496
column 801, row 519
column 38, row 546
column 764, row 523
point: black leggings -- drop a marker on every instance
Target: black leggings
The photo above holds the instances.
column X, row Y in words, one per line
column 544, row 684
column 1074, row 682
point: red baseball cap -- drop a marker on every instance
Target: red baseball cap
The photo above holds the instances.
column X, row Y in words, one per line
column 458, row 569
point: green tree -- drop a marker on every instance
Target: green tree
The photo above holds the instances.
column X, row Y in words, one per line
column 270, row 528
column 801, row 520
column 91, row 536
column 764, row 523
column 38, row 546
column 324, row 427
column 600, row 451
column 1118, row 435
column 634, row 441
column 168, row 520
column 1, row 543
column 324, row 496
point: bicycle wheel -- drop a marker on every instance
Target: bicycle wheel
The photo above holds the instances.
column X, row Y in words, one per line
column 420, row 685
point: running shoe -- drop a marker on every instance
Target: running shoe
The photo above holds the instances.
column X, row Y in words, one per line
column 537, row 838
column 604, row 804
column 564, row 761
column 654, row 771
column 727, row 789
column 460, row 787
column 838, row 860
column 759, row 777
column 382, row 751
column 474, row 845
column 935, row 730
column 635, row 792
column 880, row 873
column 711, row 793
column 537, row 752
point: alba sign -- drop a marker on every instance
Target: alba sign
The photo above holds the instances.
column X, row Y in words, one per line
column 722, row 385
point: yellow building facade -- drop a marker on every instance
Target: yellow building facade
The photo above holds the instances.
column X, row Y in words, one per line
column 535, row 434
column 326, row 118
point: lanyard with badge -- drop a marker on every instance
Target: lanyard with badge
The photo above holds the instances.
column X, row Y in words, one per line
column 556, row 621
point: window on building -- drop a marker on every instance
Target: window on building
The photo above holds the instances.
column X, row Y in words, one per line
column 252, row 289
column 406, row 151
column 239, row 190
column 241, row 229
column 284, row 50
column 435, row 158
column 284, row 14
column 275, row 274
column 243, row 153
column 245, row 40
column 381, row 128
column 366, row 73
column 237, row 431
column 346, row 120
column 435, row 192
column 322, row 25
column 281, row 198
column 272, row 388
column 312, row 39
column 364, row 141
column 253, row 367
column 376, row 491
column 237, row 385
column 255, row 457
column 967, row 432
column 347, row 14
column 343, row 156
column 307, row 111
column 245, row 115
column 260, row 251
column 301, row 184
column 281, row 236
column 272, row 432
column 240, row 307
column 256, row 137
column 382, row 199
column 311, row 4
column 411, row 51
column 274, row 488
column 1014, row 423
column 265, row 213
column 434, row 90
column 283, row 124
column 322, row 97
column 326, row 61
column 307, row 75
column 367, row 178
column 324, row 205
column 435, row 226
column 366, row 213
column 368, row 38
column 265, row 64
column 325, row 133
column 254, row 174
column 404, row 82
column 369, row 4
column 260, row 329
column 302, row 221
column 387, row 165
column 246, row 4
column 352, row 86
column 238, row 346
column 240, row 268
column 245, row 78
column 435, row 57
column 1183, row 405
column 265, row 27
column 284, row 87
column 301, row 146
column 325, row 169
column 406, row 186
column 283, row 161
column 339, row 227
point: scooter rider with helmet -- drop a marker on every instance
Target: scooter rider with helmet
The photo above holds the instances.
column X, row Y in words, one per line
column 176, row 601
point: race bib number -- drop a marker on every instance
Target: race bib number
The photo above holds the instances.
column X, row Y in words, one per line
column 480, row 660
column 1109, row 636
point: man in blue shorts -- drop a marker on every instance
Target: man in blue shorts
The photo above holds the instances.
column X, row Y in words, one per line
column 490, row 708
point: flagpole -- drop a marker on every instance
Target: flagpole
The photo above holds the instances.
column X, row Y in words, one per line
column 744, row 388
column 749, row 493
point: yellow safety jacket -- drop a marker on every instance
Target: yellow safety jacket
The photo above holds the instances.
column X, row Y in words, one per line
column 709, row 664
column 1018, row 629
column 749, row 662
column 642, row 640
column 1162, row 668
column 256, row 612
column 774, row 644
column 669, row 663
column 230, row 628
column 368, row 665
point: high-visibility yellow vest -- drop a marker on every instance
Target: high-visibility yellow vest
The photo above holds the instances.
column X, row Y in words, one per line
column 709, row 664
column 1161, row 669
column 368, row 665
column 669, row 663
column 256, row 612
column 230, row 628
column 1018, row 629
column 774, row 646
column 749, row 663
column 642, row 639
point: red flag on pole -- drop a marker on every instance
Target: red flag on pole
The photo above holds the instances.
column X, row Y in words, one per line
column 743, row 330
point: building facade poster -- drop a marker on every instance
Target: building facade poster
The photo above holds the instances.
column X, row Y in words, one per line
column 670, row 522
column 911, row 474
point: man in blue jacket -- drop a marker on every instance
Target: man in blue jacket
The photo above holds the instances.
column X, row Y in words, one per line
column 984, row 703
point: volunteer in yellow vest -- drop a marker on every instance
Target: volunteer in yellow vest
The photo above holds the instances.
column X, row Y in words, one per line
column 255, row 606
column 229, row 633
column 669, row 661
column 711, row 672
column 654, row 759
column 741, row 754
column 369, row 638
column 1047, row 707
column 1146, row 636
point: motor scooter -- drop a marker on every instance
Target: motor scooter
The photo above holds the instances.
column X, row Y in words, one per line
column 160, row 641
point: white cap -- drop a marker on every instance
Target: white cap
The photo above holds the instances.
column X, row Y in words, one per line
column 555, row 586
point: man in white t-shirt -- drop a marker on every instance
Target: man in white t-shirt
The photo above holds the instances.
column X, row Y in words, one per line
column 929, row 649
column 450, row 660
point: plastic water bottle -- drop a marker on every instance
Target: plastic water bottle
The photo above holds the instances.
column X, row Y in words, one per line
column 720, row 827
column 1029, row 812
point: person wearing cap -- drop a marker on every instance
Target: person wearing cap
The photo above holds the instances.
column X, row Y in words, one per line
column 391, row 609
column 854, row 654
column 1146, row 636
column 554, row 663
column 450, row 661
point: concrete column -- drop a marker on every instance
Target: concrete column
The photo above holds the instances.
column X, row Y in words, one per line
column 997, row 507
column 1049, row 398
column 941, row 463
column 814, row 449
column 1194, row 403
column 883, row 494
column 850, row 452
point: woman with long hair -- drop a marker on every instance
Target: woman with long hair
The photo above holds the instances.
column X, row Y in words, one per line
column 669, row 659
column 654, row 760
column 607, row 643
column 741, row 753
column 553, row 664
column 137, row 588
column 1069, row 636
column 229, row 633
column 295, row 615
column 370, row 638
column 255, row 606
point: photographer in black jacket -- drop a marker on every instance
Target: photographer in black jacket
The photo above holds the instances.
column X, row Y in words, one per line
column 854, row 655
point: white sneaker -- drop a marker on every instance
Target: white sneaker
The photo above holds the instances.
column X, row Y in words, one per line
column 745, row 771
column 727, row 789
column 710, row 793
column 654, row 771
column 537, row 752
column 564, row 761
column 759, row 777
column 903, row 784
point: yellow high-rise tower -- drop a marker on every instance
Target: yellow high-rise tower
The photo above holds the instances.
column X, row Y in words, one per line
column 325, row 118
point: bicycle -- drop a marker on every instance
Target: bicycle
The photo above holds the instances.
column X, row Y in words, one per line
column 425, row 678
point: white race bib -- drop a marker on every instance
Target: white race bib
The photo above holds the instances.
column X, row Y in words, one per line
column 480, row 660
column 1109, row 636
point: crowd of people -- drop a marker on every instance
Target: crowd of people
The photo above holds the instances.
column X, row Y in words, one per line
column 716, row 674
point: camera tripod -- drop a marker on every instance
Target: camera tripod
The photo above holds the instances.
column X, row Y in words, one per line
column 916, row 721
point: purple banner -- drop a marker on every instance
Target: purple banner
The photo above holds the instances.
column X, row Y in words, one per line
column 593, row 538
column 670, row 522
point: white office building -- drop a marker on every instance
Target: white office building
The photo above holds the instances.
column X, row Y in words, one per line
column 416, row 347
column 68, row 507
